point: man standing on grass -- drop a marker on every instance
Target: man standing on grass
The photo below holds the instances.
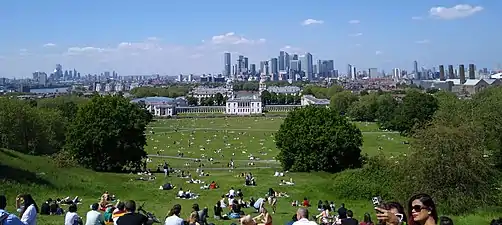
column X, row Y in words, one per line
column 5, row 217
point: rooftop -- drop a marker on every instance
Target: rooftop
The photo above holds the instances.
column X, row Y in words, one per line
column 154, row 100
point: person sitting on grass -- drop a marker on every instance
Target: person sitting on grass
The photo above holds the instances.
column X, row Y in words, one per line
column 173, row 217
column 192, row 220
column 306, row 202
column 118, row 212
column 5, row 217
column 265, row 218
column 131, row 217
column 222, row 202
column 218, row 211
column 259, row 204
column 29, row 209
column 213, row 185
column 247, row 220
column 45, row 208
column 72, row 218
column 94, row 217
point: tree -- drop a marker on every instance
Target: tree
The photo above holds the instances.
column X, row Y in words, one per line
column 318, row 139
column 192, row 101
column 386, row 110
column 266, row 97
column 341, row 101
column 108, row 134
column 365, row 109
column 449, row 164
column 219, row 99
column 415, row 111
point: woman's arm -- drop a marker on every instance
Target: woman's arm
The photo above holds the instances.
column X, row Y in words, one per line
column 268, row 219
column 29, row 215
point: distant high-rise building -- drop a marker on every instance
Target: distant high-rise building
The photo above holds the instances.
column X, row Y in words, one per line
column 451, row 73
column 441, row 73
column 295, row 65
column 472, row 71
column 282, row 61
column 396, row 73
column 349, row 71
column 461, row 73
column 274, row 70
column 373, row 73
column 252, row 69
column 295, row 57
column 227, row 61
column 415, row 70
column 308, row 66
column 246, row 64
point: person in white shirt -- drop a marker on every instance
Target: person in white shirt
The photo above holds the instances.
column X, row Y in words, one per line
column 28, row 209
column 94, row 217
column 231, row 193
column 181, row 193
column 173, row 217
column 72, row 217
column 302, row 215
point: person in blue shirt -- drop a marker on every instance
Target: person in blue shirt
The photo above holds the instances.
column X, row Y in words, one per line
column 5, row 217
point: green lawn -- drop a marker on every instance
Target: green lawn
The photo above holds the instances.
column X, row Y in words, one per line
column 37, row 175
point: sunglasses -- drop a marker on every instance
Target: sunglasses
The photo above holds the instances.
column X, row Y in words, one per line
column 418, row 208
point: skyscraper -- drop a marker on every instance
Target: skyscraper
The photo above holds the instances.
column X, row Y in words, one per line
column 349, row 71
column 274, row 69
column 415, row 70
column 441, row 73
column 461, row 73
column 282, row 60
column 227, row 61
column 451, row 73
column 308, row 66
column 472, row 71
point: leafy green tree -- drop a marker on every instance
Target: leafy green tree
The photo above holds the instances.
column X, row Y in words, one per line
column 365, row 109
column 341, row 101
column 266, row 98
column 171, row 91
column 219, row 99
column 449, row 163
column 386, row 110
column 192, row 101
column 108, row 134
column 318, row 139
column 416, row 110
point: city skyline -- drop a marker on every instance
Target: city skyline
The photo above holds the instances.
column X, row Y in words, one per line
column 157, row 37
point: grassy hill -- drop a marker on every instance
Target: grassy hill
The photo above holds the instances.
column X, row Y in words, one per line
column 39, row 176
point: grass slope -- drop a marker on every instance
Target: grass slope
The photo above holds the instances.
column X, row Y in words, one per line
column 39, row 176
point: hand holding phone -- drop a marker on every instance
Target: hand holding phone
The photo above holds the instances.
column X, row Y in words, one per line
column 388, row 217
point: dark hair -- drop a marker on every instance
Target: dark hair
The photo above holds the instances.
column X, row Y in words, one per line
column 398, row 206
column 195, row 207
column 28, row 200
column 72, row 208
column 367, row 218
column 3, row 202
column 350, row 213
column 95, row 206
column 121, row 206
column 496, row 221
column 444, row 220
column 427, row 201
column 130, row 206
column 176, row 210
column 294, row 218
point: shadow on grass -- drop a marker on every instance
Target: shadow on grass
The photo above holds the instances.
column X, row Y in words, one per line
column 8, row 153
column 21, row 176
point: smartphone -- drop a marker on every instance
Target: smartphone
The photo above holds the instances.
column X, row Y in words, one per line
column 377, row 202
column 400, row 217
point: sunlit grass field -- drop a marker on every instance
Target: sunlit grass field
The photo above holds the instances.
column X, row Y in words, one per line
column 238, row 138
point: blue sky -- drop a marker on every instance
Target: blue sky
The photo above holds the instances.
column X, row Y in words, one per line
column 189, row 36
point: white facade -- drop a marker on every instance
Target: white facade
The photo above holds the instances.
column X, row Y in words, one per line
column 161, row 110
column 243, row 106
column 311, row 100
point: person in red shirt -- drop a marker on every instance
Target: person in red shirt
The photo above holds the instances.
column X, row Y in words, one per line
column 306, row 202
column 213, row 185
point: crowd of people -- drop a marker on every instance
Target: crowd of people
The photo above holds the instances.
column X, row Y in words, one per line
column 420, row 210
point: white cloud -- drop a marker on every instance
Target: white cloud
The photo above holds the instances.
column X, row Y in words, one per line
column 23, row 50
column 232, row 38
column 49, row 45
column 354, row 21
column 358, row 45
column 425, row 41
column 292, row 50
column 356, row 34
column 455, row 12
column 88, row 49
column 311, row 22
column 417, row 18
column 378, row 52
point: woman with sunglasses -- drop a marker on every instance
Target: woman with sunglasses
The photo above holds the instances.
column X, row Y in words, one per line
column 422, row 210
column 392, row 213
column 27, row 208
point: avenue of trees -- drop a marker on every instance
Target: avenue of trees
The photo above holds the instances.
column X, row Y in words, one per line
column 455, row 149
column 104, row 133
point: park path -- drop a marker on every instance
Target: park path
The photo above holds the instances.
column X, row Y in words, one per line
column 187, row 158
column 250, row 129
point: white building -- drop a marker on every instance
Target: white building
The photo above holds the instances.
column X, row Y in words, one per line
column 311, row 100
column 244, row 106
column 162, row 110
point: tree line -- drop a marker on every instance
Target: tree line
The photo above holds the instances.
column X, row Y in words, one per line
column 93, row 132
column 173, row 91
column 455, row 147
